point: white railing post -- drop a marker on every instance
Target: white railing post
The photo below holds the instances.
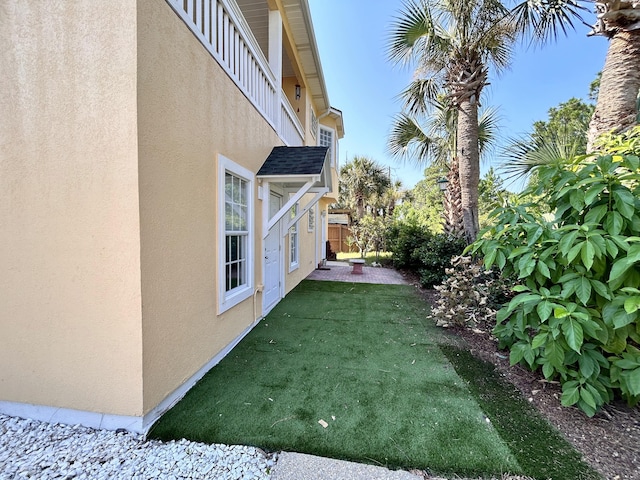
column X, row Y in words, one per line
column 275, row 62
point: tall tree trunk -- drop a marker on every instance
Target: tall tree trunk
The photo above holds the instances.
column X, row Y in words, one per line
column 617, row 99
column 453, row 222
column 469, row 165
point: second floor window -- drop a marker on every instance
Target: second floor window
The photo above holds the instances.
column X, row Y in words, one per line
column 326, row 140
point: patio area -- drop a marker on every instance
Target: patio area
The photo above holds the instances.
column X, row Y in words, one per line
column 341, row 272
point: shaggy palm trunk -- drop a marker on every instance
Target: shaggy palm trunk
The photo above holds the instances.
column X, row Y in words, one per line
column 469, row 164
column 616, row 108
column 453, row 223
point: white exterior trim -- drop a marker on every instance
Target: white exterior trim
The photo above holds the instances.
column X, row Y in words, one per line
column 226, row 300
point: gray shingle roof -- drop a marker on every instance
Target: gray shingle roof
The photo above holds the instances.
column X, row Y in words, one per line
column 294, row 161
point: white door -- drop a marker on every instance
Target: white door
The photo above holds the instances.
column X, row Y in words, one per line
column 272, row 263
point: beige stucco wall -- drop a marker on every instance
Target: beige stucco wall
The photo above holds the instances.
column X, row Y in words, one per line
column 189, row 112
column 70, row 312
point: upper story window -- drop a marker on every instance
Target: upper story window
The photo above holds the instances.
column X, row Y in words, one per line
column 326, row 140
column 314, row 123
column 235, row 241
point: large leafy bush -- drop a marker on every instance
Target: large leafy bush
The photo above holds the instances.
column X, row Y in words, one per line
column 576, row 312
column 415, row 248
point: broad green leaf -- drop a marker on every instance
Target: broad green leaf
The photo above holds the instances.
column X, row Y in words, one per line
column 600, row 288
column 618, row 272
column 633, row 381
column 490, row 258
column 554, row 353
column 632, row 162
column 517, row 353
column 534, row 235
column 544, row 309
column 587, row 398
column 612, row 248
column 633, row 255
column 588, row 253
column 521, row 288
column 547, row 370
column 570, row 396
column 577, row 200
column 501, row 259
column 575, row 250
column 587, row 365
column 626, row 363
column 614, row 223
column 518, row 251
column 583, row 290
column 567, row 242
column 632, row 304
column 596, row 214
column 573, row 334
column 560, row 312
column 593, row 192
column 616, row 345
column 539, row 340
column 543, row 269
column 624, row 202
column 621, row 318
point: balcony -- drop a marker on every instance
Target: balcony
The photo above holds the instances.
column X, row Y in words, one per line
column 223, row 31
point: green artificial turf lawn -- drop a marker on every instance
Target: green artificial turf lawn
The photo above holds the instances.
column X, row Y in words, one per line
column 364, row 359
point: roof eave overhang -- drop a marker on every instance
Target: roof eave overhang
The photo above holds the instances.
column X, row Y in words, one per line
column 299, row 17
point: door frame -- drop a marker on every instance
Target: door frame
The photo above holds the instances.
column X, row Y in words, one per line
column 277, row 231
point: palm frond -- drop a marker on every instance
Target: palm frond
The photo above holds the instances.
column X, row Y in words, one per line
column 522, row 155
column 545, row 20
column 408, row 30
column 408, row 141
column 420, row 94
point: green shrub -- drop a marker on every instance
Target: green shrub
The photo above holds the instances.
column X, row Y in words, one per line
column 404, row 241
column 576, row 312
column 435, row 257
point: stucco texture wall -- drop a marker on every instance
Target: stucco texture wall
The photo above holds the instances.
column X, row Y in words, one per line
column 189, row 112
column 70, row 304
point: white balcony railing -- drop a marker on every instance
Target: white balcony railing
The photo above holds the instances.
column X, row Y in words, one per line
column 223, row 31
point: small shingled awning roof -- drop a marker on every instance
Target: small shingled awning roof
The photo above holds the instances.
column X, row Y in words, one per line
column 299, row 170
column 292, row 165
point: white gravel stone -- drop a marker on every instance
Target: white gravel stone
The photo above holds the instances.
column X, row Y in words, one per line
column 32, row 449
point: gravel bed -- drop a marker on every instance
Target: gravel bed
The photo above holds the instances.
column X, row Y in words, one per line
column 32, row 449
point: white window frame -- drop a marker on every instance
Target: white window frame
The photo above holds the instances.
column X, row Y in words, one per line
column 314, row 123
column 231, row 298
column 294, row 241
column 311, row 221
column 332, row 146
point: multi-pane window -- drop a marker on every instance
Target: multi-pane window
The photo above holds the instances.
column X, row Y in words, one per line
column 326, row 140
column 234, row 243
column 294, row 246
column 314, row 123
column 236, row 231
column 311, row 225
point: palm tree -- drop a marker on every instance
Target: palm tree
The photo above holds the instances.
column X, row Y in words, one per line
column 454, row 42
column 619, row 21
column 435, row 142
column 362, row 182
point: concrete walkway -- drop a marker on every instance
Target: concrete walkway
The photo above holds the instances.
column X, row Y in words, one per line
column 341, row 272
column 297, row 466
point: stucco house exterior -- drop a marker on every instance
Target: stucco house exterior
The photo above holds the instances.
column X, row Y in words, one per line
column 165, row 169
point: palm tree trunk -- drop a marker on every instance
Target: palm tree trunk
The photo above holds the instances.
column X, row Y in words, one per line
column 617, row 99
column 469, row 164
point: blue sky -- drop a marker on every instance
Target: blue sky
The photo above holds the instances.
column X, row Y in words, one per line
column 351, row 36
